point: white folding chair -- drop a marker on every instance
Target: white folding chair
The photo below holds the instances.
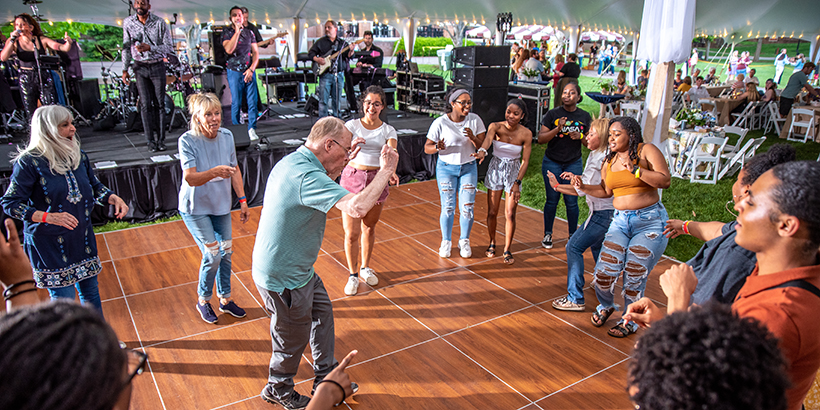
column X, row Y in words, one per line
column 745, row 117
column 707, row 152
column 634, row 110
column 808, row 125
column 673, row 155
column 738, row 159
column 775, row 120
column 609, row 111
column 725, row 93
column 740, row 132
column 758, row 115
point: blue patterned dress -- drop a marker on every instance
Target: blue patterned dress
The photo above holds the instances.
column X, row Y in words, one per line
column 60, row 257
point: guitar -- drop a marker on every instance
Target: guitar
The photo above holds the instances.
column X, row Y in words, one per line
column 266, row 43
column 320, row 69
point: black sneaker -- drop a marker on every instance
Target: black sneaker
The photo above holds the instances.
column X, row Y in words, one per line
column 207, row 312
column 232, row 309
column 162, row 146
column 294, row 401
column 547, row 242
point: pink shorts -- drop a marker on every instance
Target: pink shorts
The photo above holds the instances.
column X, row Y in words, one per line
column 354, row 180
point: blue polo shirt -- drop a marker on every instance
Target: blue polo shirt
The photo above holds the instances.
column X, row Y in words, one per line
column 292, row 224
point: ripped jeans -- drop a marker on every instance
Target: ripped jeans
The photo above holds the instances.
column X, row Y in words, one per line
column 212, row 234
column 465, row 178
column 633, row 245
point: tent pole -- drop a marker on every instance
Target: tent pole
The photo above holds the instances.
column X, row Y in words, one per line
column 659, row 105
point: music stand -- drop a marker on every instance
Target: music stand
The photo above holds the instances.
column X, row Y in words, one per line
column 271, row 65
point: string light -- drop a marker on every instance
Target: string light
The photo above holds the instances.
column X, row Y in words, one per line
column 119, row 22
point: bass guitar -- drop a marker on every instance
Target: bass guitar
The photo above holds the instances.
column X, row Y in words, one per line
column 330, row 58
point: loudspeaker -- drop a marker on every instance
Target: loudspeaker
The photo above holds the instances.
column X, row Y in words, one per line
column 482, row 56
column 312, row 106
column 490, row 103
column 87, row 98
column 220, row 58
column 217, row 84
column 241, row 139
column 480, row 77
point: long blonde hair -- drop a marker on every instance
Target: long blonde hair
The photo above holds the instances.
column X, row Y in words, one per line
column 199, row 104
column 601, row 126
column 523, row 56
column 62, row 154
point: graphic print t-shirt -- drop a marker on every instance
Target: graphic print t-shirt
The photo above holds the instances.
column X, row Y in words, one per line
column 563, row 149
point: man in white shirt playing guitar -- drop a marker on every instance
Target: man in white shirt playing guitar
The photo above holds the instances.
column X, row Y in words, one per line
column 331, row 56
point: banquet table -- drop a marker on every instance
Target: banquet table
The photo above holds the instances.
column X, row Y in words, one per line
column 604, row 100
column 784, row 132
column 724, row 107
column 716, row 90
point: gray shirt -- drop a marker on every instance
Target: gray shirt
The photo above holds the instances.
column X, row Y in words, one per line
column 796, row 82
column 721, row 266
column 154, row 32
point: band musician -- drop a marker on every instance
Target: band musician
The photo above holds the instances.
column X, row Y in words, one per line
column 243, row 57
column 331, row 81
column 147, row 41
column 370, row 57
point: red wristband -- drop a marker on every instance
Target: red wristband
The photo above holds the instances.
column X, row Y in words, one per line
column 243, row 200
column 45, row 214
column 556, row 186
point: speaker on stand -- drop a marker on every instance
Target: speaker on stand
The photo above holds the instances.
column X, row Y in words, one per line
column 484, row 71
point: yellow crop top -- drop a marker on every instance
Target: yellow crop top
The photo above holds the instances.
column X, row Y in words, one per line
column 624, row 183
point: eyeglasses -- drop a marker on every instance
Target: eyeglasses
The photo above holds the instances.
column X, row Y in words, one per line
column 348, row 150
column 375, row 104
column 464, row 103
column 136, row 363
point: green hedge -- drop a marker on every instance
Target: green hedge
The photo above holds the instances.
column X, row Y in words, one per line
column 427, row 46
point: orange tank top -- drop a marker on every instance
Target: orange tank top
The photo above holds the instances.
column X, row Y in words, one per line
column 624, row 183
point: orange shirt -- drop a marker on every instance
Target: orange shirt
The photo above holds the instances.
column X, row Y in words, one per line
column 791, row 315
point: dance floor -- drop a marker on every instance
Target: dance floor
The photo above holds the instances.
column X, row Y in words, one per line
column 434, row 334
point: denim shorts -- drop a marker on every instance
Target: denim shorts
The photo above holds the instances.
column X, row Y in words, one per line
column 354, row 180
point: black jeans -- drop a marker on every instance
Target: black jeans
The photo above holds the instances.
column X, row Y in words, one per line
column 31, row 92
column 151, row 87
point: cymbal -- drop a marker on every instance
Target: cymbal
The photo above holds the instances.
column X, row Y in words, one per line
column 105, row 53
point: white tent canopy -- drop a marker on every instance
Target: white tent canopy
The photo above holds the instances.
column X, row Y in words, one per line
column 744, row 18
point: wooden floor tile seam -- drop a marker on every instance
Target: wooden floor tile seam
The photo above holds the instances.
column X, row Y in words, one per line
column 601, row 340
column 394, row 207
column 136, row 330
column 205, row 332
column 504, row 382
column 253, row 292
column 582, row 380
column 156, row 252
column 529, row 306
column 160, row 289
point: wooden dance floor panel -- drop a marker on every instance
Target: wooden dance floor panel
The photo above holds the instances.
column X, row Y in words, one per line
column 434, row 334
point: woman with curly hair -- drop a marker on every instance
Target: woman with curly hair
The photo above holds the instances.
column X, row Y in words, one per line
column 632, row 174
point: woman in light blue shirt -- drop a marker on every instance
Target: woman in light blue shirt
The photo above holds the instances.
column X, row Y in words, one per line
column 209, row 170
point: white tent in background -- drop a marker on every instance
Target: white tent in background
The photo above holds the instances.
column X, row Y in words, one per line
column 479, row 32
column 544, row 34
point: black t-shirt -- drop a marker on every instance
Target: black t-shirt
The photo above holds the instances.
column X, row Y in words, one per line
column 256, row 34
column 721, row 266
column 324, row 46
column 571, row 70
column 240, row 60
column 563, row 149
column 374, row 56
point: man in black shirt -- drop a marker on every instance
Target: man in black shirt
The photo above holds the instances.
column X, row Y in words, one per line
column 331, row 81
column 370, row 57
column 243, row 57
column 569, row 72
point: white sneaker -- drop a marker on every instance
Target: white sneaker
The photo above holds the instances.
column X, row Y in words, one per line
column 369, row 276
column 352, row 286
column 252, row 134
column 444, row 249
column 464, row 247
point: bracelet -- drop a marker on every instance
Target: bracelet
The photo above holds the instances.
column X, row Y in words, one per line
column 344, row 395
column 243, row 198
column 45, row 214
column 8, row 295
column 556, row 186
column 482, row 150
column 637, row 172
column 686, row 227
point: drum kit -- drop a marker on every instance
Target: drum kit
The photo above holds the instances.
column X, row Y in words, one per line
column 121, row 99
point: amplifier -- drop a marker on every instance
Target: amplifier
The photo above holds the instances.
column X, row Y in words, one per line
column 428, row 84
column 529, row 90
column 480, row 77
column 482, row 55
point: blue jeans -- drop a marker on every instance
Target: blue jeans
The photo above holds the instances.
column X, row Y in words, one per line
column 330, row 92
column 236, row 81
column 633, row 245
column 571, row 201
column 588, row 236
column 88, row 289
column 212, row 234
column 465, row 177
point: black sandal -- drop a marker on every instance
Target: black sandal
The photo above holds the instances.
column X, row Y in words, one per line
column 599, row 318
column 620, row 331
column 490, row 252
column 508, row 258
